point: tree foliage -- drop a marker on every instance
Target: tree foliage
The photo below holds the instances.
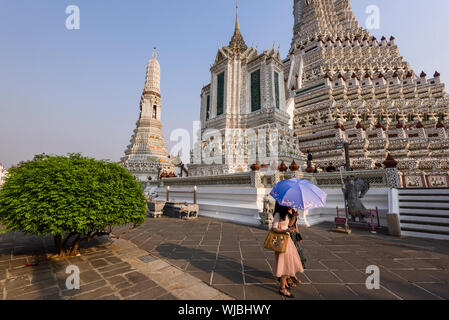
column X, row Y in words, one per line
column 74, row 197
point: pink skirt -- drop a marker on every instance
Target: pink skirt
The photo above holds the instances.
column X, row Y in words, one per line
column 288, row 263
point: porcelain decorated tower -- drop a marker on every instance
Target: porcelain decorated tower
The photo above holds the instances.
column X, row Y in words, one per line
column 349, row 86
column 243, row 107
column 3, row 173
column 147, row 156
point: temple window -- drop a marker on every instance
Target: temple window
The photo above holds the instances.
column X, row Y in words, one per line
column 220, row 94
column 208, row 107
column 154, row 112
column 255, row 91
column 276, row 89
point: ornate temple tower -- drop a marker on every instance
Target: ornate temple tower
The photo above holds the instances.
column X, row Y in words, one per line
column 348, row 86
column 3, row 173
column 246, row 94
column 147, row 155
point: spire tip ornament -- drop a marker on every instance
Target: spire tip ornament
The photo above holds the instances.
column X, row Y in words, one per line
column 154, row 53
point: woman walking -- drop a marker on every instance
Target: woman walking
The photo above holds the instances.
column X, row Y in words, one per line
column 296, row 237
column 286, row 264
column 297, row 241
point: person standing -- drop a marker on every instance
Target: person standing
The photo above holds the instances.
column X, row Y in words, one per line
column 286, row 264
column 296, row 237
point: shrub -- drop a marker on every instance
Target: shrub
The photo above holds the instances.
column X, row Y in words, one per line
column 73, row 197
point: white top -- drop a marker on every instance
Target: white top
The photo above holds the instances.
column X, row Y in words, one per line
column 153, row 79
column 278, row 224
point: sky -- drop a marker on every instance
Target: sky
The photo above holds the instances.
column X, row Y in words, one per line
column 65, row 91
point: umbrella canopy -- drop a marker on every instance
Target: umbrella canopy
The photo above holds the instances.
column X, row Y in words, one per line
column 299, row 194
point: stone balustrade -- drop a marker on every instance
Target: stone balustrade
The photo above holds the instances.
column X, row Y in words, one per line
column 383, row 178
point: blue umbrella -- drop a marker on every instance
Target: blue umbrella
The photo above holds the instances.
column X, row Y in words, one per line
column 299, row 194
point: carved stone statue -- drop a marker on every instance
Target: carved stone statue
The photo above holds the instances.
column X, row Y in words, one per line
column 354, row 191
column 151, row 193
column 269, row 204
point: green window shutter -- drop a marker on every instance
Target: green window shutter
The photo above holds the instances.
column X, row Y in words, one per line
column 220, row 94
column 276, row 89
column 255, row 91
column 208, row 108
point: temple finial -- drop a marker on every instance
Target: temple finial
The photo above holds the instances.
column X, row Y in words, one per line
column 154, row 53
column 237, row 26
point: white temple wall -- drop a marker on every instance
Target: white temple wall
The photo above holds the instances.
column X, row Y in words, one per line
column 235, row 204
column 243, row 204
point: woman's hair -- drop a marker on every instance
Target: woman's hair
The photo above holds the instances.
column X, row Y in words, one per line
column 282, row 210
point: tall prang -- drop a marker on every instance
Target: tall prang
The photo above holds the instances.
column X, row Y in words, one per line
column 244, row 117
column 147, row 156
column 3, row 174
column 347, row 85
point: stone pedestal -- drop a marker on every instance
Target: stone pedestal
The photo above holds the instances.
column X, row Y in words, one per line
column 394, row 225
column 181, row 210
column 155, row 209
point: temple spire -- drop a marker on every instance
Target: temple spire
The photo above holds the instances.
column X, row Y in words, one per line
column 237, row 43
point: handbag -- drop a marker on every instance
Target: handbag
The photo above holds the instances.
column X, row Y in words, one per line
column 277, row 242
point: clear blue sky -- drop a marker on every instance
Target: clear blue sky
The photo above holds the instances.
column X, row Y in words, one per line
column 78, row 91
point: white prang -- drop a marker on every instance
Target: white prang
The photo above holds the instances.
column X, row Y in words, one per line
column 147, row 156
column 3, row 174
column 350, row 86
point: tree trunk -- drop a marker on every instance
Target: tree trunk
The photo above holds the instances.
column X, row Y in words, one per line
column 59, row 246
column 74, row 247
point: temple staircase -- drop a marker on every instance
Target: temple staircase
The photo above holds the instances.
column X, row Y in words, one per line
column 424, row 213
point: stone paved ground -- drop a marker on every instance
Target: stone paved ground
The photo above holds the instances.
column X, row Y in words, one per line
column 205, row 258
column 109, row 270
column 232, row 259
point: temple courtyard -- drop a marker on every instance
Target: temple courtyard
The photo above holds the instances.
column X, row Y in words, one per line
column 209, row 259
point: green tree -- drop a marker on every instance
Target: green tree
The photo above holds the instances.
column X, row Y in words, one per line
column 71, row 198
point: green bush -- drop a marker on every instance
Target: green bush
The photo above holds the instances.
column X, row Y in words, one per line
column 73, row 197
